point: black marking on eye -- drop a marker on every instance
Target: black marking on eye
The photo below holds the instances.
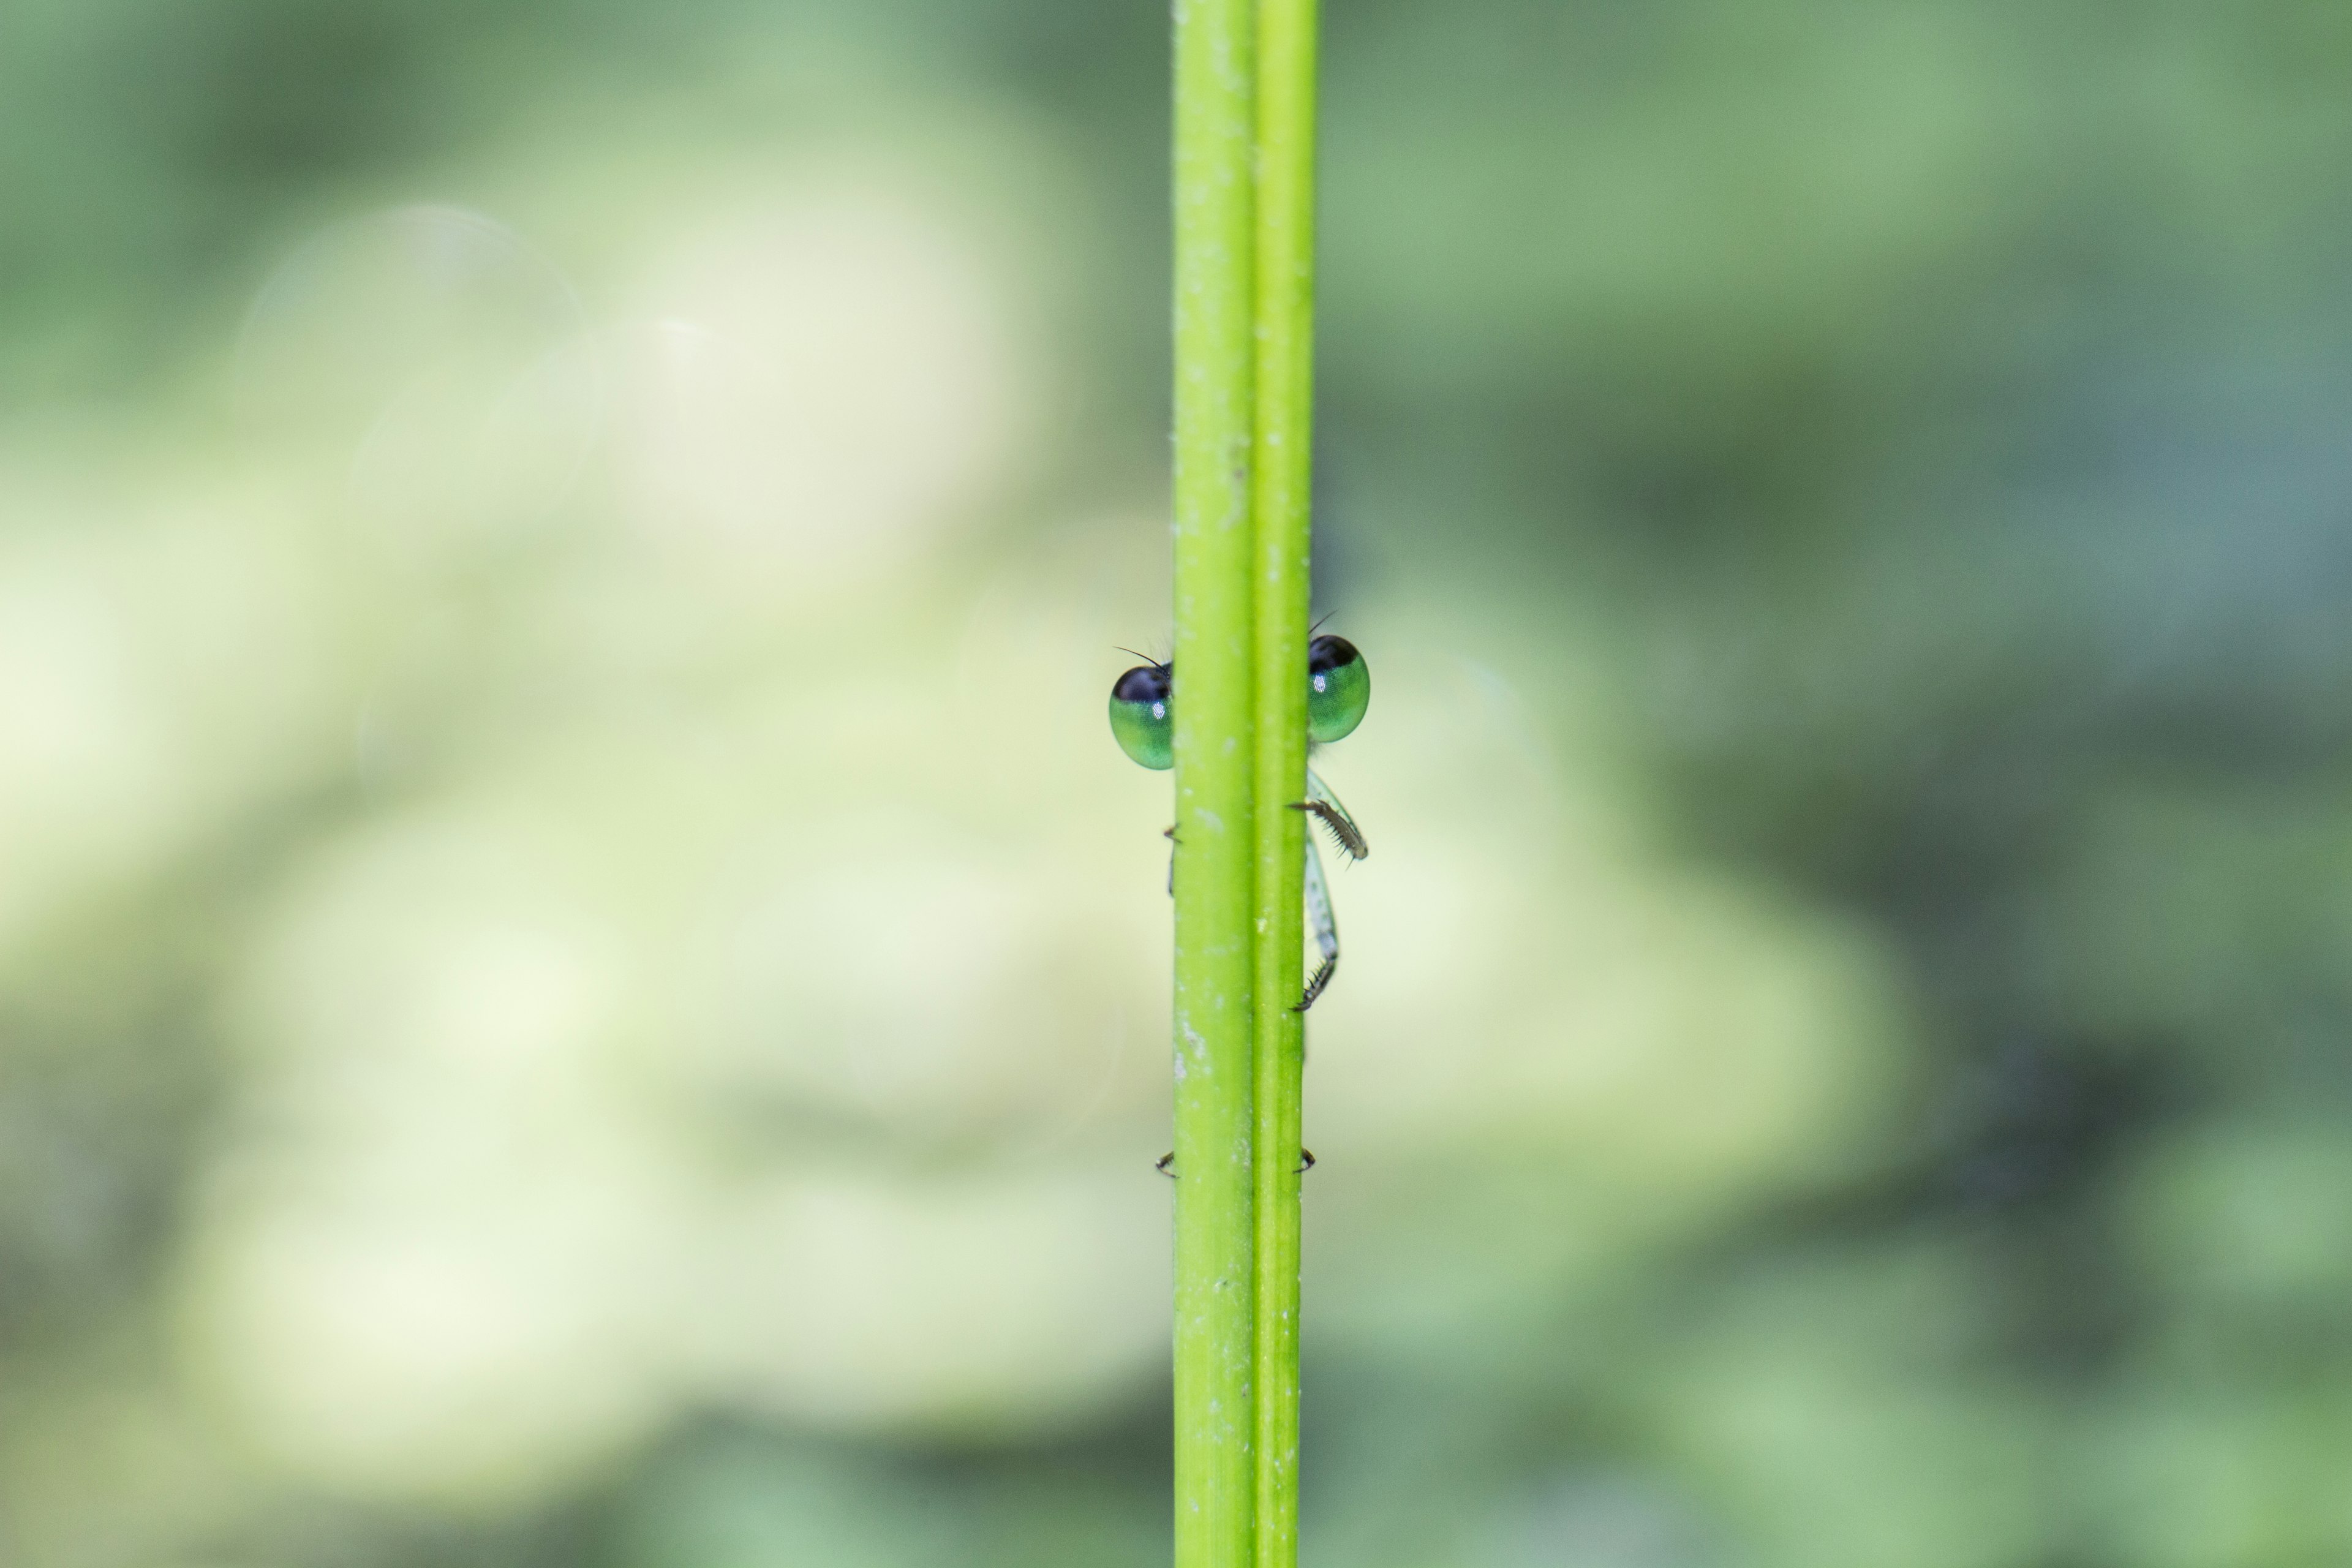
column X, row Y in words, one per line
column 1329, row 653
column 1145, row 683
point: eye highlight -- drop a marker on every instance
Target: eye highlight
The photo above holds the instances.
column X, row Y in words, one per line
column 1141, row 715
column 1339, row 688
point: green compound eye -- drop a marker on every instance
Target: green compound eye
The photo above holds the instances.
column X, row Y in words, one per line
column 1139, row 706
column 1339, row 688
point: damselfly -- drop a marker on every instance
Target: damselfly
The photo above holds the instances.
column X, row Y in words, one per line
column 1339, row 690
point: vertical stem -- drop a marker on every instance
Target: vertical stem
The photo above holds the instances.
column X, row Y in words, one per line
column 1282, row 486
column 1215, row 1226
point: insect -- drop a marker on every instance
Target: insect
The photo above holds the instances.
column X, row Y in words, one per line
column 1339, row 690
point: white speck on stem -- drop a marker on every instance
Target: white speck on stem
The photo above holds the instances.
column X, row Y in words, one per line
column 1200, row 1049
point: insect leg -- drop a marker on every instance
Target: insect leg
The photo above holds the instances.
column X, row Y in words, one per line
column 1327, row 929
column 1323, row 808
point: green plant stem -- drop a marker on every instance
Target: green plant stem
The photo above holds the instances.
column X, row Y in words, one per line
column 1282, row 485
column 1215, row 777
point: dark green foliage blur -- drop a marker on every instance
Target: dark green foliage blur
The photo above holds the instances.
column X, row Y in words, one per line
column 1931, row 423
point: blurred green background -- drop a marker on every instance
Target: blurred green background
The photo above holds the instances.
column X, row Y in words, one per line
column 582, row 982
